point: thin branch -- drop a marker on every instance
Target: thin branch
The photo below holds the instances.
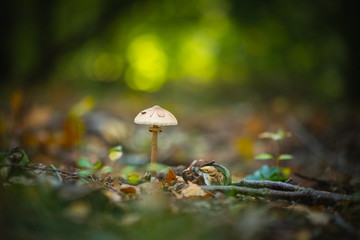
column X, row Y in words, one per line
column 56, row 170
column 57, row 173
column 306, row 195
column 268, row 184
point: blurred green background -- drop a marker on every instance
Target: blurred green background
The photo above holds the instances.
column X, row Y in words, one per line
column 300, row 50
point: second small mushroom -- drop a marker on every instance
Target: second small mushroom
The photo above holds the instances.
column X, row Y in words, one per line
column 156, row 117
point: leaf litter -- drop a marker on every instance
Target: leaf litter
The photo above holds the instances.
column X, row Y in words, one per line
column 37, row 204
column 118, row 207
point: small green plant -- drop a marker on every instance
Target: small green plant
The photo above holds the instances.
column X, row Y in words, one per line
column 88, row 168
column 277, row 137
column 267, row 173
column 275, row 173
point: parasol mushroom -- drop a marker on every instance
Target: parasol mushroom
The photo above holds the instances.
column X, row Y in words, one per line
column 157, row 117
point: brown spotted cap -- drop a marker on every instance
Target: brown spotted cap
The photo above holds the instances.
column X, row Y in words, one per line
column 156, row 116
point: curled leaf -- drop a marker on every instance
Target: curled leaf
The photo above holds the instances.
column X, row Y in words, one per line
column 225, row 172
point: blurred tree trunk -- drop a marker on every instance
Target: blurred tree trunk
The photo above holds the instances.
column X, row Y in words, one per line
column 7, row 27
column 49, row 51
column 52, row 52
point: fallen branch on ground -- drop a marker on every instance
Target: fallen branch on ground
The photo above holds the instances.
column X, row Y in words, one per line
column 56, row 170
column 306, row 196
column 268, row 184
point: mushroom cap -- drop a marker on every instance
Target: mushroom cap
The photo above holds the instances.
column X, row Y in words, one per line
column 156, row 116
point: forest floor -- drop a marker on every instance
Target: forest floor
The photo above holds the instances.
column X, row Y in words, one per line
column 83, row 172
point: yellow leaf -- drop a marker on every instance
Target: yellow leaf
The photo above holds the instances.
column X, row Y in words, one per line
column 285, row 171
column 114, row 155
column 82, row 107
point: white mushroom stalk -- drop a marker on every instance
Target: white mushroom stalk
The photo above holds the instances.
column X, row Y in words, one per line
column 157, row 117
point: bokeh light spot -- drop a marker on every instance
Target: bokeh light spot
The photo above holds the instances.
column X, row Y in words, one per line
column 148, row 64
column 198, row 58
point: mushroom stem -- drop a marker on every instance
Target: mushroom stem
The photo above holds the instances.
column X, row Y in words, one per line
column 154, row 129
column 154, row 147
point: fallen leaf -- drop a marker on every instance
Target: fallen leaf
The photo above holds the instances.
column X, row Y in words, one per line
column 179, row 179
column 115, row 153
column 128, row 189
column 171, row 178
column 193, row 190
column 201, row 163
column 216, row 177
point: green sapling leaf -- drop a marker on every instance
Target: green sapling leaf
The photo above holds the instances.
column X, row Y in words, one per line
column 115, row 153
column 84, row 163
column 285, row 157
column 85, row 173
column 264, row 156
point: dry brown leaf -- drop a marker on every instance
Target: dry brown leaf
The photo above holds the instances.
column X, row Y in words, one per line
column 193, row 190
column 179, row 179
column 171, row 178
column 215, row 175
column 128, row 189
column 201, row 163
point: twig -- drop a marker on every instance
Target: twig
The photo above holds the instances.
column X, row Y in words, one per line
column 61, row 171
column 305, row 195
column 268, row 184
column 57, row 173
